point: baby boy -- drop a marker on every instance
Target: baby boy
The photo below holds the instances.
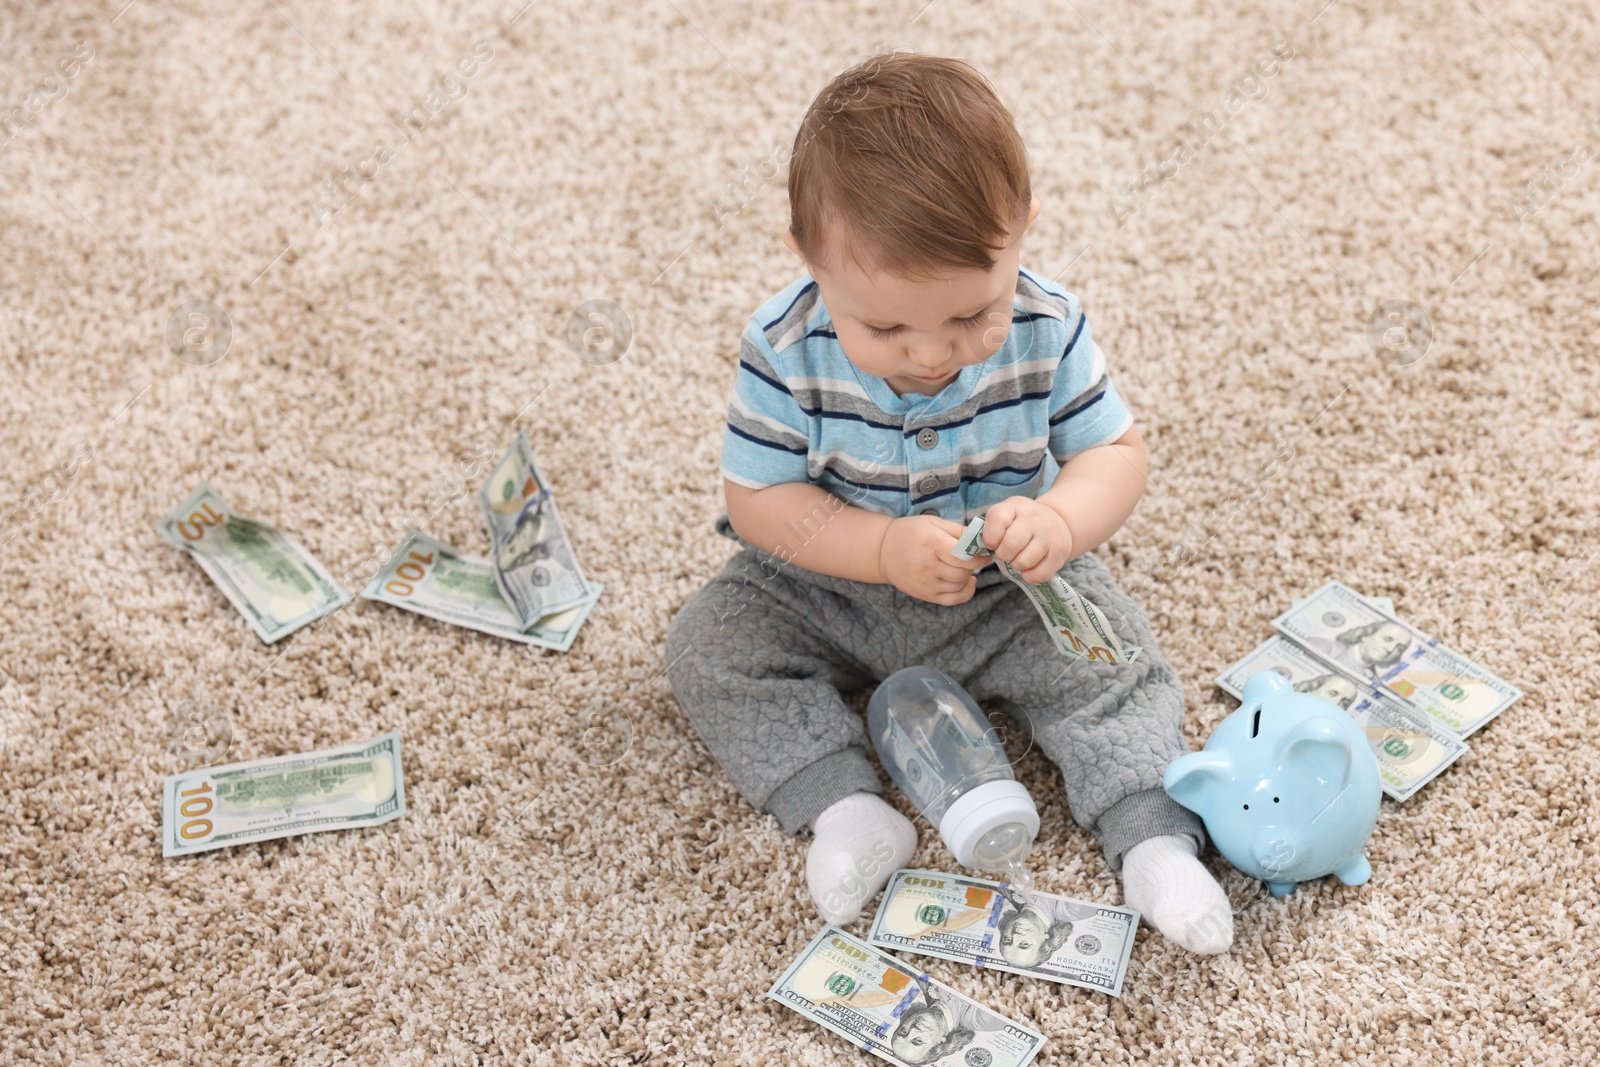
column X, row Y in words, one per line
column 915, row 377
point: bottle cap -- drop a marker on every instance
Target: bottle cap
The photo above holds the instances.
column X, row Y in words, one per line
column 981, row 810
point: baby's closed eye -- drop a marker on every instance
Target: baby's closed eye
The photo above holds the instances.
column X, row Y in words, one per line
column 970, row 321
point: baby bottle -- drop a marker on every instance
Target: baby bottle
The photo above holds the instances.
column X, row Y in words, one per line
column 943, row 754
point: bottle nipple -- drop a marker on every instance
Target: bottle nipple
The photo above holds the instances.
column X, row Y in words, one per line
column 1002, row 851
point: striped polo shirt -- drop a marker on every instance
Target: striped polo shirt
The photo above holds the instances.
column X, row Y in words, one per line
column 802, row 412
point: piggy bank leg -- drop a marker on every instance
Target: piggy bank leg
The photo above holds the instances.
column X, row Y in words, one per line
column 1355, row 870
column 1281, row 889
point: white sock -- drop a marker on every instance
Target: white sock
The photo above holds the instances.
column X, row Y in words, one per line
column 860, row 842
column 1172, row 889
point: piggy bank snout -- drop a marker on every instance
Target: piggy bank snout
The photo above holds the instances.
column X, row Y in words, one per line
column 1279, row 852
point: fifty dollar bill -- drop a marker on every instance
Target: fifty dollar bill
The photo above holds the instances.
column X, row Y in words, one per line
column 895, row 1012
column 989, row 924
column 265, row 574
column 1370, row 644
column 1076, row 626
column 431, row 578
column 259, row 800
column 1411, row 751
column 534, row 564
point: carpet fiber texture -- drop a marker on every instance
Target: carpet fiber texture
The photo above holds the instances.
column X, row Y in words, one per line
column 399, row 207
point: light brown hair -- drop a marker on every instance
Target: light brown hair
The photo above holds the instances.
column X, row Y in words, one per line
column 908, row 163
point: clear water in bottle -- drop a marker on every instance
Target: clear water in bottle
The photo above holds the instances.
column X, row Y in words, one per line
column 945, row 756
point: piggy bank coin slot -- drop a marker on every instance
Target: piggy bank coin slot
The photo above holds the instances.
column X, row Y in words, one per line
column 1255, row 723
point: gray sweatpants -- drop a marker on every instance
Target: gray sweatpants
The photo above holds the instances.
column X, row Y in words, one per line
column 759, row 657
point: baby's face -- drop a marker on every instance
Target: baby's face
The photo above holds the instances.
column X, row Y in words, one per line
column 917, row 334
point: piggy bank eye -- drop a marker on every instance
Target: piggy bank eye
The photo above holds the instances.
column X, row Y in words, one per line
column 1247, row 807
column 1274, row 800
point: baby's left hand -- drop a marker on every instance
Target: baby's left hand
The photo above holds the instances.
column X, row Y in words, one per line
column 1029, row 535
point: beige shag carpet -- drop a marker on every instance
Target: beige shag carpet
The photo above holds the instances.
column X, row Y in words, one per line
column 575, row 882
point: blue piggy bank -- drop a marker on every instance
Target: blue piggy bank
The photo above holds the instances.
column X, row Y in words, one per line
column 1287, row 786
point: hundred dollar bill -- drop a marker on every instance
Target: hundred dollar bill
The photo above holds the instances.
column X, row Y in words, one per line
column 265, row 574
column 534, row 564
column 992, row 924
column 1411, row 751
column 1372, row 645
column 431, row 578
column 895, row 1012
column 259, row 800
column 1076, row 626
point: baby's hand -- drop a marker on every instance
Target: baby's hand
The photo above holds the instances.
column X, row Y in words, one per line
column 1029, row 535
column 917, row 560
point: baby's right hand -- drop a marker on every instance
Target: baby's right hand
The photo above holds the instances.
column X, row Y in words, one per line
column 916, row 559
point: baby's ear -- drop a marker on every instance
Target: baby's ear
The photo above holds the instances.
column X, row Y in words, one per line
column 792, row 245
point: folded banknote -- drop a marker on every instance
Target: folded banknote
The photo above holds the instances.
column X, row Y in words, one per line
column 431, row 578
column 534, row 563
column 265, row 574
column 1076, row 627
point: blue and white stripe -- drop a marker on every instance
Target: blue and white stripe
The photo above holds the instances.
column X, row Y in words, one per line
column 801, row 412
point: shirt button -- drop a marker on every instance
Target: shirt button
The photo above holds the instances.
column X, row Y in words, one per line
column 929, row 511
column 928, row 484
column 927, row 437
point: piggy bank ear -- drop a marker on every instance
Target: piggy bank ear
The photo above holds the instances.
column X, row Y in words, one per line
column 1198, row 779
column 1263, row 684
column 1318, row 745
